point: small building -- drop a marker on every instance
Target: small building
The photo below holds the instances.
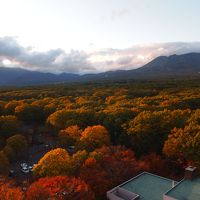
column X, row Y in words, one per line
column 147, row 186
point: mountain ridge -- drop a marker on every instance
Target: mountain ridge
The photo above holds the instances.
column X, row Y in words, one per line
column 173, row 65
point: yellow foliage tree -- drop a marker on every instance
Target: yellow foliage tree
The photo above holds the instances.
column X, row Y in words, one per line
column 184, row 143
column 53, row 163
column 94, row 137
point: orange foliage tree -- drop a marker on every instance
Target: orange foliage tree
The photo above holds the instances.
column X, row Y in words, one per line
column 155, row 164
column 60, row 188
column 10, row 192
column 108, row 166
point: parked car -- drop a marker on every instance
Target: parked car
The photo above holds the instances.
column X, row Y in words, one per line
column 25, row 170
column 23, row 165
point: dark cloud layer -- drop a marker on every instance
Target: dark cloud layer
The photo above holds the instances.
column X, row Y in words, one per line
column 57, row 60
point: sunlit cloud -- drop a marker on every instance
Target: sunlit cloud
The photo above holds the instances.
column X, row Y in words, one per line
column 6, row 62
column 139, row 55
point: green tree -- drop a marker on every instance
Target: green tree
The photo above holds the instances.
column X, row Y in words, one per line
column 19, row 146
column 30, row 113
column 9, row 125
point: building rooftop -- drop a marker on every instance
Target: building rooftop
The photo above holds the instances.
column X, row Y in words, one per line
column 186, row 189
column 148, row 186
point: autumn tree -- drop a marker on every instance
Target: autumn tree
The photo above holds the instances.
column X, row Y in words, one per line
column 184, row 143
column 59, row 188
column 76, row 161
column 69, row 136
column 53, row 163
column 195, row 117
column 30, row 113
column 18, row 144
column 94, row 137
column 10, row 107
column 107, row 167
column 10, row 192
column 9, row 125
column 49, row 109
column 113, row 117
column 65, row 118
column 61, row 119
column 154, row 163
column 59, row 162
column 148, row 130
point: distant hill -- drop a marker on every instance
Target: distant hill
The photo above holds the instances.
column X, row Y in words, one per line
column 18, row 76
column 174, row 64
column 163, row 66
column 7, row 75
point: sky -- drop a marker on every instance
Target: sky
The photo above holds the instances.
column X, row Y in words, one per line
column 91, row 36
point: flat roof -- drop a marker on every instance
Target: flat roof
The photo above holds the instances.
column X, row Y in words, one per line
column 186, row 189
column 148, row 186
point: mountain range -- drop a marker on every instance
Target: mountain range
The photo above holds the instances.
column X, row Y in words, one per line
column 163, row 66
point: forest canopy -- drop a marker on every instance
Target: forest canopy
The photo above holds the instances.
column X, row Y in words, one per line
column 110, row 131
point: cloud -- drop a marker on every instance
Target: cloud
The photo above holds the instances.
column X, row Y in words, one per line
column 10, row 47
column 12, row 54
column 138, row 55
column 56, row 60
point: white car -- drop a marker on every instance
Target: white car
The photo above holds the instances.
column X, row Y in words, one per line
column 25, row 170
column 23, row 165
